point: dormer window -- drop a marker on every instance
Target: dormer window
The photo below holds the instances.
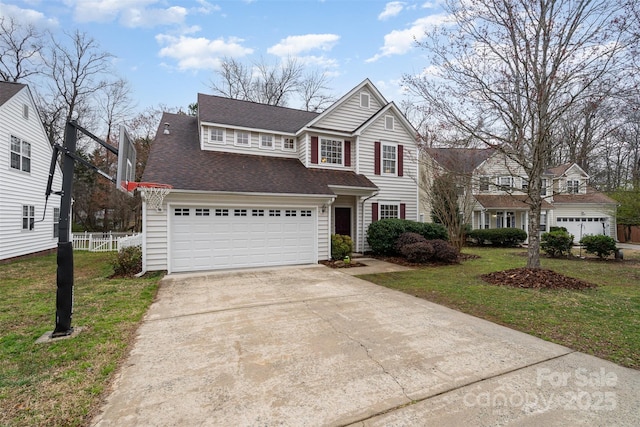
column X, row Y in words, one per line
column 388, row 122
column 288, row 143
column 266, row 141
column 484, row 183
column 243, row 138
column 216, row 135
column 573, row 186
column 364, row 100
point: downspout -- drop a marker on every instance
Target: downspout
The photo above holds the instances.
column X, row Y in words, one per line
column 362, row 221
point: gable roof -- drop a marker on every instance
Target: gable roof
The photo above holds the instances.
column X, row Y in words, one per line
column 460, row 160
column 365, row 83
column 560, row 170
column 8, row 90
column 591, row 196
column 177, row 159
column 247, row 114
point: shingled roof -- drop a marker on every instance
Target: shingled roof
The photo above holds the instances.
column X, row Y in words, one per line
column 177, row 159
column 506, row 201
column 234, row 112
column 8, row 90
column 591, row 196
column 460, row 160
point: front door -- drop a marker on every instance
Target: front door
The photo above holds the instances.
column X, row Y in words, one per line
column 343, row 221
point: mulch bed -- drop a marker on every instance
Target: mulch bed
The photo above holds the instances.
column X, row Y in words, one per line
column 535, row 279
column 342, row 264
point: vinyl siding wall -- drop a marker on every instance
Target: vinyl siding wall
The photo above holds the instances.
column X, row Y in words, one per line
column 254, row 146
column 349, row 115
column 157, row 231
column 21, row 188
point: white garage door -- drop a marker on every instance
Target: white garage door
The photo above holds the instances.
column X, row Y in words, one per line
column 581, row 226
column 209, row 238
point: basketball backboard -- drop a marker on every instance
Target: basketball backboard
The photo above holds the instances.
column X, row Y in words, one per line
column 126, row 162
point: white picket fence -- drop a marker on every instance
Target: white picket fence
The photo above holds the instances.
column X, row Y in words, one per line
column 104, row 242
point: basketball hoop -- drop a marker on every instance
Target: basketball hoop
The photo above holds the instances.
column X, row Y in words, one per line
column 154, row 193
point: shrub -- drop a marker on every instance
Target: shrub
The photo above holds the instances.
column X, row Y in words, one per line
column 128, row 261
column 382, row 235
column 407, row 239
column 444, row 251
column 418, row 252
column 556, row 243
column 599, row 244
column 499, row 236
column 341, row 246
column 554, row 228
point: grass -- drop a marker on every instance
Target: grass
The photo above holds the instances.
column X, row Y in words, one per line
column 60, row 383
column 604, row 322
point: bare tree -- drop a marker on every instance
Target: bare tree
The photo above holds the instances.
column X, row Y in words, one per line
column 509, row 70
column 76, row 72
column 272, row 84
column 20, row 48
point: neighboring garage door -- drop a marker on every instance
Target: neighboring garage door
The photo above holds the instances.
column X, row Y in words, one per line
column 210, row 238
column 589, row 225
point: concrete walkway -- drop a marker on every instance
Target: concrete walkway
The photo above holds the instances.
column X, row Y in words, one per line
column 312, row 346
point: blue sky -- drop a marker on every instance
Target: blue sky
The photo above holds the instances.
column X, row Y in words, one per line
column 169, row 49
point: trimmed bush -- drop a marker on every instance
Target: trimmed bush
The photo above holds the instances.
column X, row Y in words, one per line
column 599, row 244
column 556, row 243
column 418, row 252
column 407, row 239
column 444, row 251
column 506, row 237
column 127, row 262
column 382, row 235
column 554, row 228
column 341, row 246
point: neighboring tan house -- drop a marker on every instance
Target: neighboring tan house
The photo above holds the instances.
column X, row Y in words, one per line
column 498, row 193
column 25, row 158
column 259, row 185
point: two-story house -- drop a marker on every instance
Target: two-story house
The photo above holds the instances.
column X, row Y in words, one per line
column 25, row 159
column 260, row 185
column 497, row 190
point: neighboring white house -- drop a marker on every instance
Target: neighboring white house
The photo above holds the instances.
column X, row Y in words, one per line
column 259, row 185
column 25, row 158
column 499, row 192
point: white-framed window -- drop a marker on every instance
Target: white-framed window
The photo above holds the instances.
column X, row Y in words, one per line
column 331, row 151
column 388, row 122
column 288, row 143
column 181, row 211
column 28, row 217
column 25, row 111
column 243, row 138
column 56, row 222
column 216, row 135
column 364, row 99
column 389, row 159
column 505, row 182
column 305, row 212
column 389, row 210
column 573, row 186
column 202, row 212
column 505, row 220
column 257, row 212
column 20, row 154
column 266, row 141
column 543, row 221
column 543, row 188
column 484, row 183
column 274, row 212
column 222, row 212
column 239, row 212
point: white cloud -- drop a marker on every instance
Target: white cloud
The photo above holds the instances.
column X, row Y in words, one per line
column 391, row 9
column 130, row 13
column 27, row 16
column 195, row 53
column 294, row 45
column 399, row 42
column 206, row 7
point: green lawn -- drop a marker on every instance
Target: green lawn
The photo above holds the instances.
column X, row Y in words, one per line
column 60, row 383
column 604, row 322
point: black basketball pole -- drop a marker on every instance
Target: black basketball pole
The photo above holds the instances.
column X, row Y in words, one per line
column 64, row 277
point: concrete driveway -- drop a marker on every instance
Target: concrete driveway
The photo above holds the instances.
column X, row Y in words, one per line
column 312, row 346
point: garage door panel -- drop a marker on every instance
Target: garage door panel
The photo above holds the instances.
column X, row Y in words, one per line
column 232, row 237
